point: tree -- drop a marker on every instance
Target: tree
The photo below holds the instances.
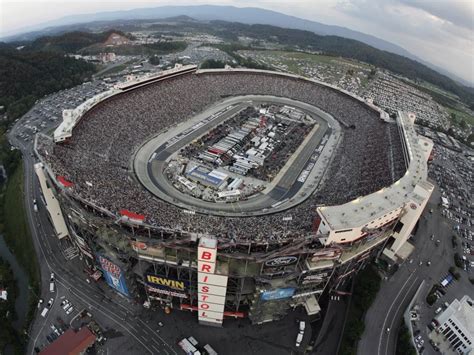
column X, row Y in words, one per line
column 212, row 64
column 404, row 345
column 454, row 241
column 154, row 60
column 431, row 299
column 28, row 75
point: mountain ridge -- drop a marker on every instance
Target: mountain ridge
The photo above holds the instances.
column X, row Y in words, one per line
column 246, row 15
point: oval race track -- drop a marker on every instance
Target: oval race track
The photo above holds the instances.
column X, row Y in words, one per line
column 284, row 192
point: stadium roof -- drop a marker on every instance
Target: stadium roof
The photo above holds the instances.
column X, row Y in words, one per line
column 52, row 204
column 370, row 207
column 70, row 343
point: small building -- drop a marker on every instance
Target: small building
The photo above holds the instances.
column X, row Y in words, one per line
column 234, row 185
column 233, row 195
column 456, row 324
column 214, row 179
column 71, row 343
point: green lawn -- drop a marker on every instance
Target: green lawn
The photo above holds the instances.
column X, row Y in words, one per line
column 15, row 226
column 438, row 90
column 116, row 69
column 293, row 61
column 314, row 58
column 461, row 115
column 18, row 238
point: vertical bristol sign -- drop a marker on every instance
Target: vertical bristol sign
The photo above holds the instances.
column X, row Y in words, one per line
column 211, row 286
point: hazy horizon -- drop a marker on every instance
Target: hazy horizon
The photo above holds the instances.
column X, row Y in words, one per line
column 440, row 32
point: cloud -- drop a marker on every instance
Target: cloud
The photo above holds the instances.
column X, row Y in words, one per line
column 459, row 13
column 436, row 31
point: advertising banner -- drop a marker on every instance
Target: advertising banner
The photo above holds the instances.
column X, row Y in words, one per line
column 326, row 254
column 314, row 278
column 113, row 275
column 167, row 292
column 281, row 261
column 170, row 285
column 278, row 293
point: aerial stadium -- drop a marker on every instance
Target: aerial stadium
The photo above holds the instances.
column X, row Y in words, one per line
column 233, row 192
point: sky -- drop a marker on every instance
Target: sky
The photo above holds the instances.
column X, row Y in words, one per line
column 438, row 31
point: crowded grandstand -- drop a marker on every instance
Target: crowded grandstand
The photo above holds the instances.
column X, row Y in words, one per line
column 367, row 200
column 97, row 158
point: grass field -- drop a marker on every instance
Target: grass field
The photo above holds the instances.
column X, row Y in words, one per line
column 15, row 226
column 115, row 69
column 18, row 238
column 438, row 90
column 329, row 68
column 461, row 115
column 315, row 58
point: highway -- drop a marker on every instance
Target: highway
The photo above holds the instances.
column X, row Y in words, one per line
column 384, row 318
column 106, row 307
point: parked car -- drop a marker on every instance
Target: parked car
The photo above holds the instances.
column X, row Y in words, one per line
column 299, row 338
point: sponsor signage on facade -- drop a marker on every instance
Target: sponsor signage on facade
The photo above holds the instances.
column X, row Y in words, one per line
column 136, row 245
column 113, row 275
column 211, row 287
column 166, row 283
column 167, row 292
column 326, row 254
column 281, row 261
column 309, row 293
column 315, row 278
column 277, row 294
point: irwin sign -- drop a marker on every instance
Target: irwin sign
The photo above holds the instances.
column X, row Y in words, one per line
column 167, row 283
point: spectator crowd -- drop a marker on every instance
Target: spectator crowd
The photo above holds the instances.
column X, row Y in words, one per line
column 98, row 158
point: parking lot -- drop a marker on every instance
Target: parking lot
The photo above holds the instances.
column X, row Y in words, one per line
column 47, row 111
column 452, row 172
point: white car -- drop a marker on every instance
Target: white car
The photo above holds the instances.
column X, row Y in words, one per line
column 69, row 311
column 50, row 303
column 302, row 326
column 299, row 338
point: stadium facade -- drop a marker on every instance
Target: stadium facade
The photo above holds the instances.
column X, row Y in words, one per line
column 256, row 267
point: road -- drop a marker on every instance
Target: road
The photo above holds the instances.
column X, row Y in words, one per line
column 398, row 290
column 71, row 280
